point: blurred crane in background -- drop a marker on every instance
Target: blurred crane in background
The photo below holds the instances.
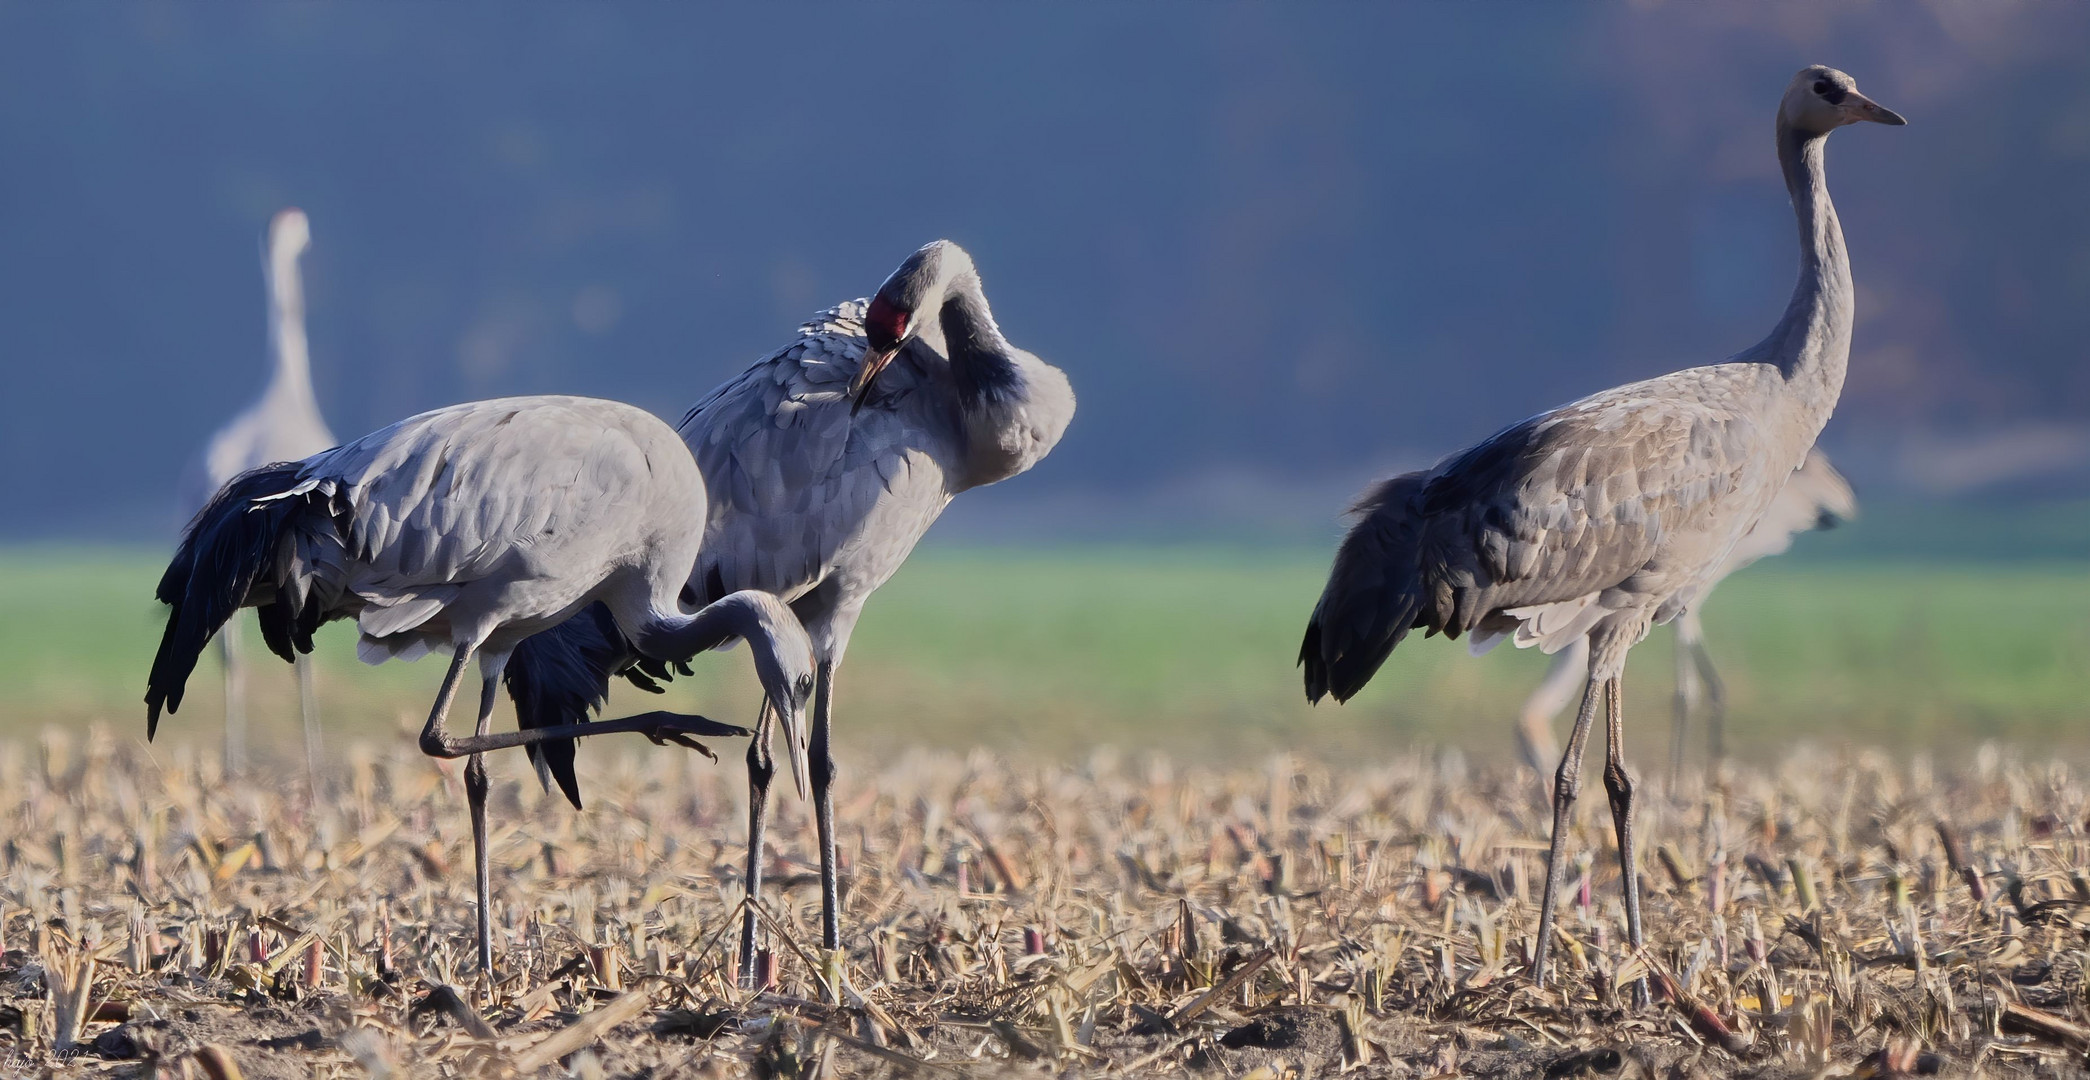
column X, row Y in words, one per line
column 283, row 425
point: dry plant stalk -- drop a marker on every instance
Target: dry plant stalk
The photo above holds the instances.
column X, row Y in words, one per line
column 1129, row 917
column 69, row 982
column 581, row 1033
column 2029, row 1021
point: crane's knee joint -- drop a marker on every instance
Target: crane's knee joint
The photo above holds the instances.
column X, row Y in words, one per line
column 760, row 769
column 1618, row 782
column 475, row 784
column 434, row 745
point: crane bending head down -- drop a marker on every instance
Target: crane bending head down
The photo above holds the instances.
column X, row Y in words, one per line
column 889, row 319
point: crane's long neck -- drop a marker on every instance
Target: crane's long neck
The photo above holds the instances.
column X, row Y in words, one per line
column 1013, row 406
column 982, row 364
column 293, row 374
column 1811, row 343
column 762, row 620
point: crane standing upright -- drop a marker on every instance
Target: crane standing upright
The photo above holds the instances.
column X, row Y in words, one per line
column 827, row 461
column 1610, row 514
column 282, row 425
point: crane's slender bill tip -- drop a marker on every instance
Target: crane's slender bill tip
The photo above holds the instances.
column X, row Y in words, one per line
column 1877, row 113
column 801, row 764
column 875, row 361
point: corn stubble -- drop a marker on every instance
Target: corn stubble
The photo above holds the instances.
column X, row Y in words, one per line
column 1838, row 916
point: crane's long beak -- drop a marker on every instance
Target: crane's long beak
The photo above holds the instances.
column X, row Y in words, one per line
column 874, row 362
column 791, row 716
column 1864, row 108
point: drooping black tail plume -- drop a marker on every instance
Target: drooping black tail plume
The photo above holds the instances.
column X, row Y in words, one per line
column 231, row 552
column 1374, row 593
column 562, row 676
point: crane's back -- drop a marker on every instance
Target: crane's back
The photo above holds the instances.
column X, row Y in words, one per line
column 1620, row 507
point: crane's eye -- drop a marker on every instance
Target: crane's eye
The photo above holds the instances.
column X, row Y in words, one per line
column 1831, row 91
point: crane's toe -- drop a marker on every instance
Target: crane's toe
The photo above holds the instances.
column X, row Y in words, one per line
column 681, row 729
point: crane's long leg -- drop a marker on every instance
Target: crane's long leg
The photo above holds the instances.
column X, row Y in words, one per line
column 1535, row 740
column 475, row 787
column 761, row 768
column 1686, row 701
column 824, row 808
column 235, row 696
column 308, row 711
column 1566, row 784
column 661, row 727
column 432, row 734
column 1715, row 700
column 435, row 742
column 1618, row 783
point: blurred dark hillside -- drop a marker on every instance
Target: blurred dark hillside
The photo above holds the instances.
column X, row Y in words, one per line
column 1276, row 247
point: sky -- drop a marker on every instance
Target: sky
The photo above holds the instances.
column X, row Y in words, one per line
column 1277, row 248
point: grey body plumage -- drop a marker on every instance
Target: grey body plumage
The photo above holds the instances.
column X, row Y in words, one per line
column 1612, row 513
column 467, row 529
column 827, row 462
column 1816, row 497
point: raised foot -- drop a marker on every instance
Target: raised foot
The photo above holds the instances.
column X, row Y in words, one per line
column 678, row 728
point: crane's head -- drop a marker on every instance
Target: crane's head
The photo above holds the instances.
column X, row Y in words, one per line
column 787, row 694
column 289, row 234
column 918, row 286
column 784, row 663
column 1822, row 99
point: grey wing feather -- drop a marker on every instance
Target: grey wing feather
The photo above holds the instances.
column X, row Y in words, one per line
column 1576, row 501
column 446, row 498
column 1561, row 509
column 540, row 496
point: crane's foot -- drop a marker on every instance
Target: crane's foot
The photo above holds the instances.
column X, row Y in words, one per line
column 677, row 729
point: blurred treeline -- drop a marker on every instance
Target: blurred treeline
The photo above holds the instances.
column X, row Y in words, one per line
column 1277, row 247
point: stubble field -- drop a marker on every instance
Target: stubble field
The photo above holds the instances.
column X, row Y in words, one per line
column 1244, row 886
column 1839, row 916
